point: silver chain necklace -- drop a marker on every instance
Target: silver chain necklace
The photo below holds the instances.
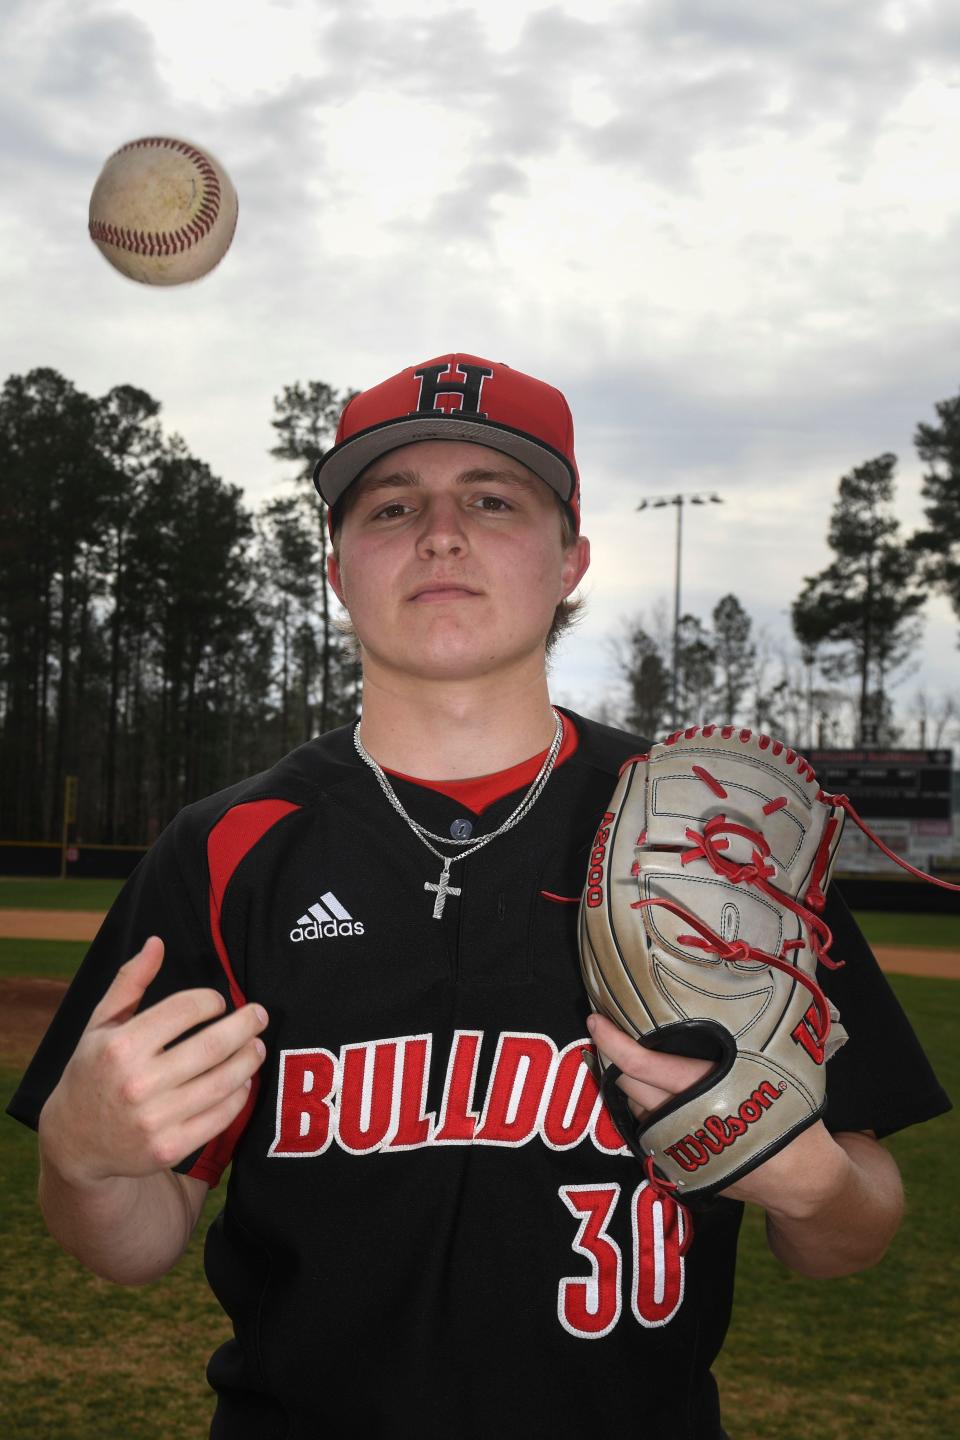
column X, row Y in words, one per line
column 443, row 888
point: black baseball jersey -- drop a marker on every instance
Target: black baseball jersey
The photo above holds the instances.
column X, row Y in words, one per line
column 431, row 1226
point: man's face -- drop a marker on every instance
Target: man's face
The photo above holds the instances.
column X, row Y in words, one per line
column 452, row 562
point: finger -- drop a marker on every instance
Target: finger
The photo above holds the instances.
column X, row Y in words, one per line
column 192, row 1134
column 206, row 1091
column 129, row 984
column 642, row 1097
column 166, row 1021
column 213, row 1045
column 663, row 1073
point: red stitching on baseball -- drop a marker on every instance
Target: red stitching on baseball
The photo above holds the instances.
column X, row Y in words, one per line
column 167, row 242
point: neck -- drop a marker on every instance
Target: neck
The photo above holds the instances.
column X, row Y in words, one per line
column 454, row 731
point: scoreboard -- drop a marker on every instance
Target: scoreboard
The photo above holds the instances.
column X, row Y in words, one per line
column 889, row 784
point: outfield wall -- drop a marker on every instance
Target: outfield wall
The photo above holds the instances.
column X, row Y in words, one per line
column 38, row 858
column 887, row 892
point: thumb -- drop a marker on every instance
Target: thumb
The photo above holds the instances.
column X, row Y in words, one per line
column 129, row 985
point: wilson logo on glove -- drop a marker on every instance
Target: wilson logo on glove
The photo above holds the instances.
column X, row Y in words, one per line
column 716, row 1135
column 701, row 931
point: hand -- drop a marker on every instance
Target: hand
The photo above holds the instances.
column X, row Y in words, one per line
column 796, row 1181
column 128, row 1106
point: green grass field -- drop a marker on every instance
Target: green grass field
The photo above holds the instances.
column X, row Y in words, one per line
column 883, row 927
column 19, row 893
column 84, row 1360
column 51, row 959
column 871, row 1355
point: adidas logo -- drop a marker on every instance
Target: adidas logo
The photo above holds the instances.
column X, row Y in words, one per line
column 327, row 919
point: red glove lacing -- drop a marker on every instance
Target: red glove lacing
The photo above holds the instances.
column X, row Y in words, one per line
column 756, row 873
column 710, row 845
column 843, row 802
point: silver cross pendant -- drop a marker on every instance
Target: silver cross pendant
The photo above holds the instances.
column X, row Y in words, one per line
column 442, row 889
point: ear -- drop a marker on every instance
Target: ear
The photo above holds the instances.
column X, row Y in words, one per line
column 576, row 561
column 335, row 578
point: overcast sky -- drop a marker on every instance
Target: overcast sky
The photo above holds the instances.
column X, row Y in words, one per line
column 728, row 230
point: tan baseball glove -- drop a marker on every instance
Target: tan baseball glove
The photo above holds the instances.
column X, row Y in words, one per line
column 700, row 935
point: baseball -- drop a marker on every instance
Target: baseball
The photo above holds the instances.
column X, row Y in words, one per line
column 163, row 211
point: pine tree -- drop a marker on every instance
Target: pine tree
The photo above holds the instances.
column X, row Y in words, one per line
column 696, row 662
column 288, row 563
column 648, row 685
column 193, row 542
column 939, row 545
column 54, row 490
column 305, row 417
column 735, row 655
column 130, row 440
column 862, row 606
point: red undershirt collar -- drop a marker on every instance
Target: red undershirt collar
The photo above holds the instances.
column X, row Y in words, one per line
column 482, row 791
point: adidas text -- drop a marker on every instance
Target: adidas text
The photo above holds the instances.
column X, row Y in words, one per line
column 329, row 928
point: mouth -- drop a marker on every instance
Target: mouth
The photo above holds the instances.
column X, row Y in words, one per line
column 439, row 592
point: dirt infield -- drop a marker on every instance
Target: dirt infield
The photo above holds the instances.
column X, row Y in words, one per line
column 917, row 960
column 49, row 924
column 26, row 1008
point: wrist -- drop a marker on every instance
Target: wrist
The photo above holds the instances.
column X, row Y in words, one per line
column 804, row 1178
column 58, row 1162
column 813, row 1174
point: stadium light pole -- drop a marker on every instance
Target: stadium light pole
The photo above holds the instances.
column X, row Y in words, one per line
column 657, row 502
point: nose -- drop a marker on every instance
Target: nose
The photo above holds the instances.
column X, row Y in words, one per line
column 442, row 531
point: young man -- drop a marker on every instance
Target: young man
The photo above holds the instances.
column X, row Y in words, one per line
column 431, row 1226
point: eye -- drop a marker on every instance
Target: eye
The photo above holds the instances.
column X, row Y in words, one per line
column 391, row 511
column 492, row 503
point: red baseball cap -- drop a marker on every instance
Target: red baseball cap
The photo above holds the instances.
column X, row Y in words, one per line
column 457, row 397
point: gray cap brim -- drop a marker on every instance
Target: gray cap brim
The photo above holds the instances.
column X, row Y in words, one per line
column 339, row 467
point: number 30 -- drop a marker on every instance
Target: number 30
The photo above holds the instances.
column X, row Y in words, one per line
column 589, row 1306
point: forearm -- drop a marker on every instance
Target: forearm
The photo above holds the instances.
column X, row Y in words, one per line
column 126, row 1230
column 833, row 1203
column 843, row 1209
